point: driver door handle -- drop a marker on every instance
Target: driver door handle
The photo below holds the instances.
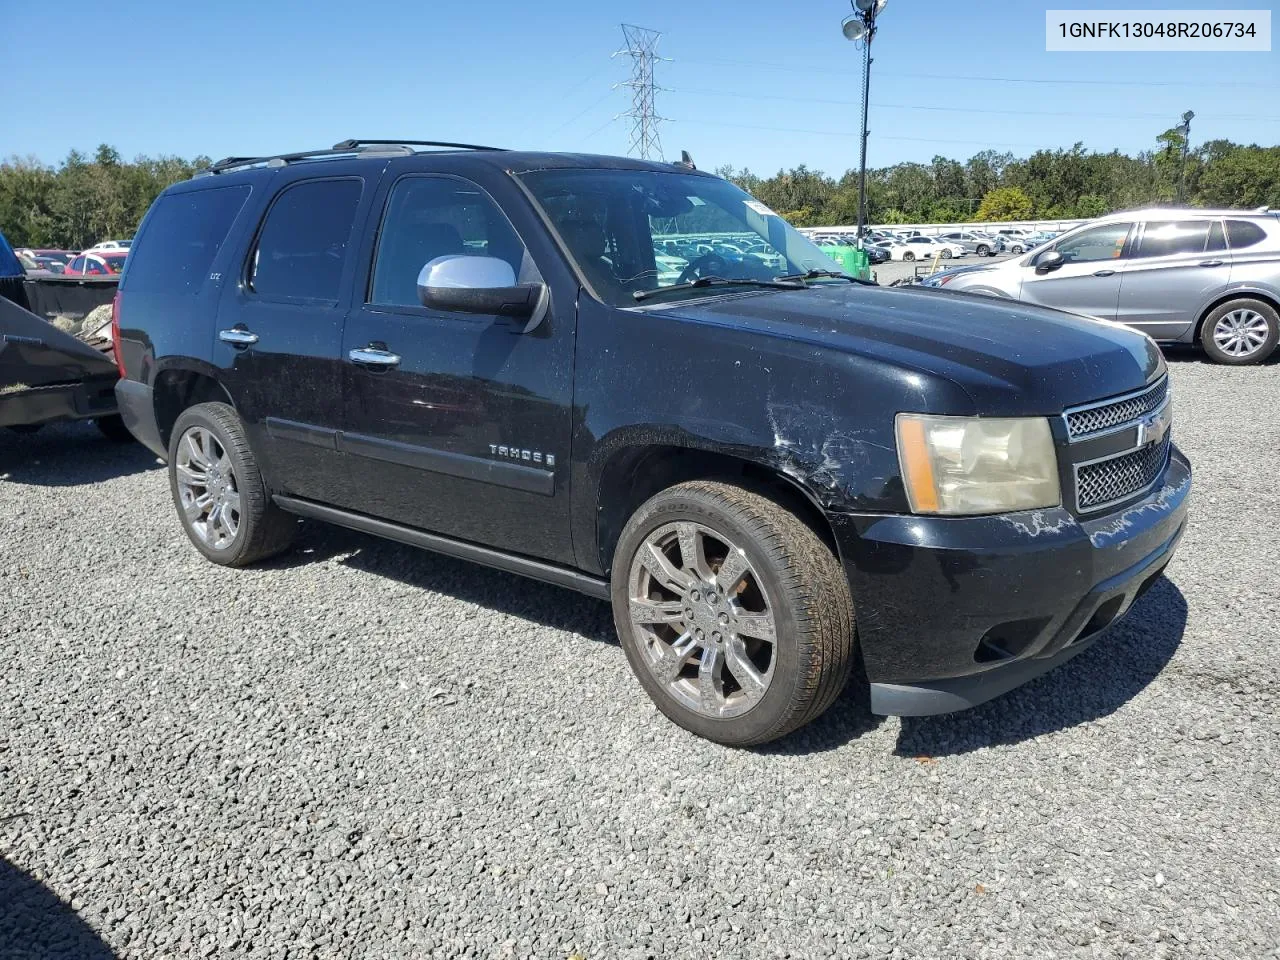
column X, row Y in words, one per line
column 1104, row 273
column 1211, row 263
column 374, row 357
column 238, row 336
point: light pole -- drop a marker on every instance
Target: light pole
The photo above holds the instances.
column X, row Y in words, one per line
column 1184, row 128
column 861, row 25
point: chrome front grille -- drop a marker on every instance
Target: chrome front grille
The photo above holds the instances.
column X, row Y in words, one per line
column 1110, row 414
column 1119, row 447
column 1110, row 481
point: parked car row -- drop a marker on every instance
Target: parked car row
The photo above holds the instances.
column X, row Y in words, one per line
column 101, row 260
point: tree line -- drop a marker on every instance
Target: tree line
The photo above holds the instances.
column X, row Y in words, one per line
column 85, row 199
column 1049, row 184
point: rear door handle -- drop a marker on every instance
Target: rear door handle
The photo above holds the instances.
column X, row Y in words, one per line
column 1211, row 263
column 238, row 336
column 1104, row 273
column 374, row 357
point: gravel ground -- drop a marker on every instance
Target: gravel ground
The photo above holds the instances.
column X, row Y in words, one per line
column 366, row 751
column 892, row 270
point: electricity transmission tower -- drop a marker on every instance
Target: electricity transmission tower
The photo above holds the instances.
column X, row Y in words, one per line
column 642, row 47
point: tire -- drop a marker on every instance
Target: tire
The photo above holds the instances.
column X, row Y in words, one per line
column 908, row 255
column 1251, row 327
column 788, row 583
column 983, row 250
column 113, row 429
column 261, row 529
column 1016, row 249
column 946, row 254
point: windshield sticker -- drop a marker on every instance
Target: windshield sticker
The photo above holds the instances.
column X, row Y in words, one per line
column 697, row 201
column 760, row 208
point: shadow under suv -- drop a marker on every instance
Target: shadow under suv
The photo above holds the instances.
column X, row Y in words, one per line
column 1210, row 277
column 764, row 464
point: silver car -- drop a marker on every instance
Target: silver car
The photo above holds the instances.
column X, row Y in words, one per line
column 1191, row 276
column 980, row 243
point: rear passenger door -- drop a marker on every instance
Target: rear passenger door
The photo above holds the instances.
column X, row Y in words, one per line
column 463, row 427
column 1174, row 270
column 279, row 331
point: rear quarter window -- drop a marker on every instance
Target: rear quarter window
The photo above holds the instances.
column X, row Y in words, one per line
column 181, row 238
column 1242, row 233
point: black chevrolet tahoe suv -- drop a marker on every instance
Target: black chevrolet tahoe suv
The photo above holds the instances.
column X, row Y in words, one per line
column 769, row 468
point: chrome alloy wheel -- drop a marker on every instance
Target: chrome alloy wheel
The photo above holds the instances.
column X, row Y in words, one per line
column 1240, row 332
column 702, row 619
column 207, row 488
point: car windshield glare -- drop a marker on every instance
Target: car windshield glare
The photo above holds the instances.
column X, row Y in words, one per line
column 633, row 231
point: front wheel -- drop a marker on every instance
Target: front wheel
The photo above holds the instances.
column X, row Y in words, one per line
column 1241, row 332
column 218, row 489
column 733, row 614
column 946, row 254
column 983, row 250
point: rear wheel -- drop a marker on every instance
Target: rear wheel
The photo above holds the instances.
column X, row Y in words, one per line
column 1240, row 332
column 733, row 614
column 219, row 492
column 909, row 255
column 983, row 250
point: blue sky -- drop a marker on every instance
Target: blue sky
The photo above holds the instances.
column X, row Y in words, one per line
column 752, row 83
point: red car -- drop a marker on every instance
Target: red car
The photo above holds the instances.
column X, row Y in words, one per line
column 99, row 263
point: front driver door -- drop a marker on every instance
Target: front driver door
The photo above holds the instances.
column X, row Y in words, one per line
column 1088, row 281
column 458, row 423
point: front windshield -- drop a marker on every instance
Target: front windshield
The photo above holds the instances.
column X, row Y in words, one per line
column 630, row 231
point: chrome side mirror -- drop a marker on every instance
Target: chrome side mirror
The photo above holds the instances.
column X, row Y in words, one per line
column 485, row 285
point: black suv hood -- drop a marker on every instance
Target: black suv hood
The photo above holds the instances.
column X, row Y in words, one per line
column 1011, row 358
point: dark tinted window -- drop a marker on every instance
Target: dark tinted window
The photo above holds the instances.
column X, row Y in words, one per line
column 1217, row 241
column 1242, row 233
column 429, row 217
column 1174, row 236
column 182, row 235
column 304, row 242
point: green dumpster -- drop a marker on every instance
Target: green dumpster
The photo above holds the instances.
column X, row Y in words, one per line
column 852, row 260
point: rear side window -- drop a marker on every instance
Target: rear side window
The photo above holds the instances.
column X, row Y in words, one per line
column 181, row 238
column 1242, row 233
column 1175, row 236
column 304, row 242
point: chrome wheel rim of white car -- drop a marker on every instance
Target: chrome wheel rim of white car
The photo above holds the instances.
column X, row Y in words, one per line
column 1241, row 333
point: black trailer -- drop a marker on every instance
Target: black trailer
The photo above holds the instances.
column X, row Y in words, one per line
column 48, row 375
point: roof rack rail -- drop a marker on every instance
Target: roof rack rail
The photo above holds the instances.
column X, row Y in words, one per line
column 342, row 148
column 353, row 144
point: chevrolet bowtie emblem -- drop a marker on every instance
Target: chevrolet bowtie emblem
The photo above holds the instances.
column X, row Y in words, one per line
column 1152, row 428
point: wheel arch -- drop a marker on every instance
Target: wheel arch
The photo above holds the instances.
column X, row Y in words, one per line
column 181, row 385
column 1237, row 294
column 633, row 474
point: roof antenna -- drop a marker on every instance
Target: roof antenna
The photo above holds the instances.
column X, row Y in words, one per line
column 686, row 160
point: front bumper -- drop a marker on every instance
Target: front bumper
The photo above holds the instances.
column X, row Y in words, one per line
column 953, row 611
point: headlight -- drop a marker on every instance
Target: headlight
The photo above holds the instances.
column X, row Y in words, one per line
column 968, row 465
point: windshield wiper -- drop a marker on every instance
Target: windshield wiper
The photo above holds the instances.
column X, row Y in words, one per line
column 781, row 283
column 821, row 274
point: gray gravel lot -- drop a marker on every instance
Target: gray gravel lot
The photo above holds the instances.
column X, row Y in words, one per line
column 892, row 270
column 361, row 750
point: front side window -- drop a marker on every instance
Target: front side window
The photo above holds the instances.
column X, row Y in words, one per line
column 1104, row 242
column 1174, row 237
column 634, row 231
column 304, row 242
column 429, row 217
